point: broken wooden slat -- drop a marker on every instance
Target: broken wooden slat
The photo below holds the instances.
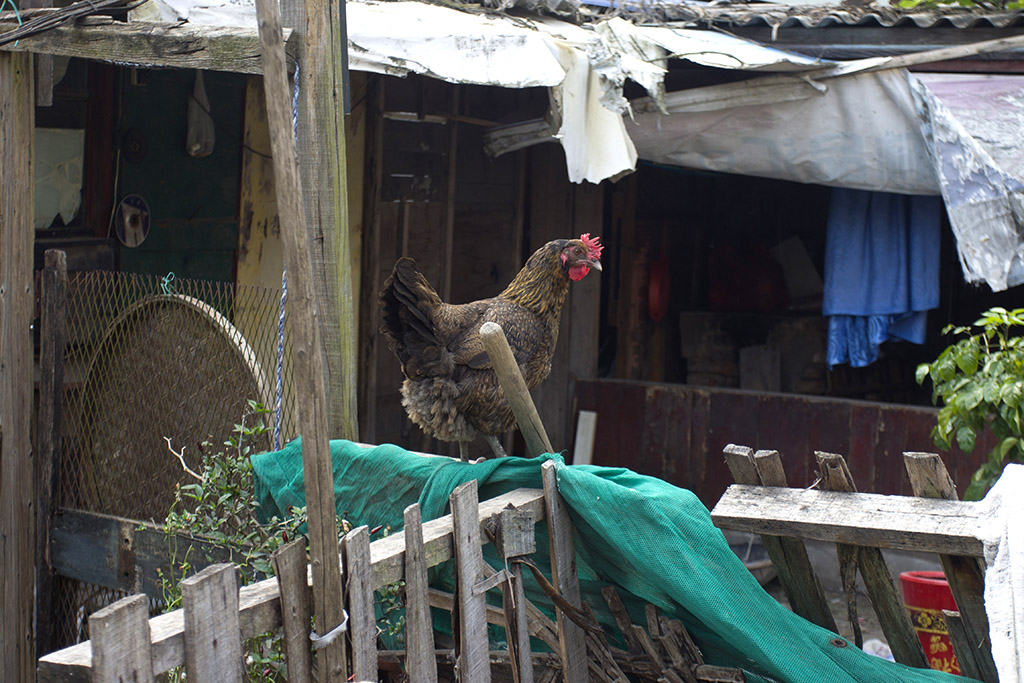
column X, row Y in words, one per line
column 885, row 596
column 563, row 574
column 621, row 617
column 362, row 626
column 290, row 568
column 472, row 665
column 929, row 479
column 121, row 635
column 649, row 647
column 513, row 600
column 213, row 644
column 684, row 654
column 869, row 519
column 967, row 655
column 586, row 428
column 420, row 663
column 788, row 555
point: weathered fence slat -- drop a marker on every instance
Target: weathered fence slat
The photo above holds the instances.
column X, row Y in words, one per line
column 514, row 538
column 290, row 566
column 362, row 626
column 213, row 641
column 420, row 663
column 120, row 634
column 788, row 555
column 884, row 595
column 929, row 479
column 572, row 642
column 473, row 665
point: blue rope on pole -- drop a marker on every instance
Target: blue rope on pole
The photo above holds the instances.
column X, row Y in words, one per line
column 279, row 390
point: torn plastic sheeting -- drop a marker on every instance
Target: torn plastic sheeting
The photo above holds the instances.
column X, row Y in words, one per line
column 413, row 37
column 984, row 202
column 860, row 131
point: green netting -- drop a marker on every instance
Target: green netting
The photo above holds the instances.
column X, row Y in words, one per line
column 653, row 541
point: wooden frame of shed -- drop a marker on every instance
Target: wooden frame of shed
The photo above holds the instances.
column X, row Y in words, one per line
column 323, row 308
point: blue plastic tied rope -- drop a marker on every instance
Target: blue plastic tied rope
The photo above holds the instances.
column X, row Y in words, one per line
column 17, row 14
column 167, row 283
column 279, row 389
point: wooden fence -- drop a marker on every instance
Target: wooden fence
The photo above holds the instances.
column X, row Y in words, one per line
column 206, row 635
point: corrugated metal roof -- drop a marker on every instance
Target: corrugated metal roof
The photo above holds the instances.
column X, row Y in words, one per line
column 699, row 14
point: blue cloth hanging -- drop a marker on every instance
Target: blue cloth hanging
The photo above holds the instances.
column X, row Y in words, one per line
column 881, row 271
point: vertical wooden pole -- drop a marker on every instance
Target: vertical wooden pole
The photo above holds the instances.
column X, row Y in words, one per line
column 213, row 636
column 324, row 178
column 290, row 567
column 51, row 401
column 304, row 317
column 473, row 663
column 121, row 647
column 17, row 524
column 359, row 588
column 420, row 662
column 571, row 639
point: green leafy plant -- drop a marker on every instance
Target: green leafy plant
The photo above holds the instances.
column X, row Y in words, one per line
column 219, row 509
column 980, row 379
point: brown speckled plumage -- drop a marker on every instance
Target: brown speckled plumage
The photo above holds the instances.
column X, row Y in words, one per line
column 450, row 390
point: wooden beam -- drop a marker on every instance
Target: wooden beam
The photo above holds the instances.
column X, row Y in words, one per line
column 17, row 522
column 260, row 603
column 305, row 317
column 53, row 334
column 291, row 568
column 323, row 170
column 121, row 633
column 143, row 43
column 866, row 519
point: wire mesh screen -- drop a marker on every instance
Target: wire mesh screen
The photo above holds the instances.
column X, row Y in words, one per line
column 149, row 361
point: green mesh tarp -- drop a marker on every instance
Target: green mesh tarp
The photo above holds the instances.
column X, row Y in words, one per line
column 653, row 541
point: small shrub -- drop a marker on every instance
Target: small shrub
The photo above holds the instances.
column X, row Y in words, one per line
column 980, row 379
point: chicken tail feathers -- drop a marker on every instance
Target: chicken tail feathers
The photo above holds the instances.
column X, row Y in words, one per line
column 406, row 301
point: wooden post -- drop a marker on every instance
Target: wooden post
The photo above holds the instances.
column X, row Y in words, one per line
column 472, row 663
column 788, row 555
column 213, row 637
column 53, row 320
column 419, row 633
column 290, row 567
column 17, row 523
column 572, row 642
column 516, row 393
column 303, row 316
column 885, row 597
column 323, row 173
column 929, row 479
column 362, row 627
column 121, row 649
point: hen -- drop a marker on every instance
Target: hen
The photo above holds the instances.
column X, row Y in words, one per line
column 450, row 390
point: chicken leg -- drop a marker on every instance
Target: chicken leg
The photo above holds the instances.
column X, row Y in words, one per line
column 495, row 445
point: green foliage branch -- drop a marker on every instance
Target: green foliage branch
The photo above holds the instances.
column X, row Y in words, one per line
column 980, row 379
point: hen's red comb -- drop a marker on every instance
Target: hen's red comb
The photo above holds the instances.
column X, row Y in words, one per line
column 593, row 246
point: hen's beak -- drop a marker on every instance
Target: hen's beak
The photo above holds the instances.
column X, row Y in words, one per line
column 595, row 264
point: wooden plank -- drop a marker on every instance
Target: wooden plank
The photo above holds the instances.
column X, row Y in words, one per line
column 17, row 520
column 929, row 479
column 43, row 64
column 362, row 625
column 420, row 663
column 322, row 168
column 305, row 315
column 967, row 654
column 472, row 665
column 572, row 644
column 517, row 629
column 150, row 44
column 290, row 567
column 120, row 635
column 213, row 644
column 53, row 334
column 514, row 386
column 869, row 519
column 618, row 610
column 885, row 596
column 583, row 446
column 788, row 555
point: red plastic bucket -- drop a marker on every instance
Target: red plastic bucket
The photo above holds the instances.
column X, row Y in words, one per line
column 925, row 595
